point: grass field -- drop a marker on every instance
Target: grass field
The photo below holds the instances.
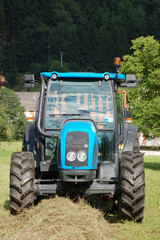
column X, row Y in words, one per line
column 62, row 219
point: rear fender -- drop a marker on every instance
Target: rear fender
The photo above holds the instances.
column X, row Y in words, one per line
column 130, row 134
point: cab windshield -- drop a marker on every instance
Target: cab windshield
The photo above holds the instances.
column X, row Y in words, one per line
column 79, row 100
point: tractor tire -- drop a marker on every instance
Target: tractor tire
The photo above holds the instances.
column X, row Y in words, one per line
column 132, row 177
column 22, row 176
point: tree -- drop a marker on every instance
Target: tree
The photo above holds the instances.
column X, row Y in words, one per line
column 89, row 33
column 145, row 99
column 5, row 130
column 2, row 57
column 2, row 21
column 12, row 118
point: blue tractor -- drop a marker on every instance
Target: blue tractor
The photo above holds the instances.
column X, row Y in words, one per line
column 80, row 144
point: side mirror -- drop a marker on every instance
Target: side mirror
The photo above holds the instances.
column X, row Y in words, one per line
column 131, row 80
column 29, row 80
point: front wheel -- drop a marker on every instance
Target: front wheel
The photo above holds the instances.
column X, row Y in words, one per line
column 22, row 176
column 132, row 186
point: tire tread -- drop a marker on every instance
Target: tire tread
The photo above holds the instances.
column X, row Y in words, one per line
column 21, row 181
column 132, row 185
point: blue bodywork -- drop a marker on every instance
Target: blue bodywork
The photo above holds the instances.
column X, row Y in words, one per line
column 82, row 126
column 83, row 75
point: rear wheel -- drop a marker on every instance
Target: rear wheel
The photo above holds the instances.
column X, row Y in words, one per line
column 21, row 181
column 132, row 186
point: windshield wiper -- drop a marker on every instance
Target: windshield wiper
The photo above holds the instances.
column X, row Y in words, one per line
column 65, row 114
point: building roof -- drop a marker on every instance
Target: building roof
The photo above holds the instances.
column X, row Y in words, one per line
column 28, row 100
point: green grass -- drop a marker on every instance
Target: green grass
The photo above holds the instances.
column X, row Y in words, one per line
column 65, row 220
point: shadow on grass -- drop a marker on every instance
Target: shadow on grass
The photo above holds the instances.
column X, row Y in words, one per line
column 152, row 165
column 105, row 207
column 7, row 205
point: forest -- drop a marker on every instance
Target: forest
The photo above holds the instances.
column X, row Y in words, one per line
column 36, row 35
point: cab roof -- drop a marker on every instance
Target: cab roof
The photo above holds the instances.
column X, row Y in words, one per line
column 82, row 75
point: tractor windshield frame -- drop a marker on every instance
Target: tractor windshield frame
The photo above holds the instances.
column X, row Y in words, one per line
column 79, row 98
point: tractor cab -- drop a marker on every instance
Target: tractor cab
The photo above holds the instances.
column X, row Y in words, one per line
column 83, row 100
column 80, row 107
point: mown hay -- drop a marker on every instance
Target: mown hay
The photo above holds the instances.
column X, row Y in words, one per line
column 57, row 219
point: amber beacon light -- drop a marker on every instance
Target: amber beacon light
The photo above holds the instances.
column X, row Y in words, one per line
column 117, row 62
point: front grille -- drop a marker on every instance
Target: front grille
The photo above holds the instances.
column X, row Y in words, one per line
column 75, row 142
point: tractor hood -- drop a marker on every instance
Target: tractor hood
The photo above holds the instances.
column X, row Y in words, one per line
column 78, row 145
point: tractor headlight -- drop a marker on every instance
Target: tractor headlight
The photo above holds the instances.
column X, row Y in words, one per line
column 81, row 156
column 71, row 156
